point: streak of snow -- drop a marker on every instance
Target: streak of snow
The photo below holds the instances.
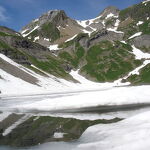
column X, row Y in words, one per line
column 135, row 35
column 123, row 42
column 24, row 31
column 146, row 1
column 114, row 30
column 13, row 126
column 36, row 27
column 71, row 38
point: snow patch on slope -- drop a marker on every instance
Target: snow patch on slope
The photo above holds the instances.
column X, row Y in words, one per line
column 36, row 38
column 110, row 16
column 54, row 47
column 135, row 35
column 139, row 54
column 24, row 35
column 139, row 23
column 146, row 1
column 134, row 133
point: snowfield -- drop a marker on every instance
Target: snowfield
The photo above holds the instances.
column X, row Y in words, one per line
column 132, row 133
column 109, row 97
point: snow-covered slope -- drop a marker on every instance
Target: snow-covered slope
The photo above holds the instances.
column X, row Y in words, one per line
column 100, row 22
column 10, row 84
column 132, row 133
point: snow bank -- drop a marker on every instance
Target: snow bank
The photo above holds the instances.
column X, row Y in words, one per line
column 132, row 133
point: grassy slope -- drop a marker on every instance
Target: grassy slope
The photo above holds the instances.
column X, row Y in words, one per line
column 106, row 62
column 76, row 56
column 47, row 30
column 53, row 65
column 138, row 12
column 142, row 78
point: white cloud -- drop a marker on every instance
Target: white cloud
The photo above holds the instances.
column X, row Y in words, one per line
column 3, row 17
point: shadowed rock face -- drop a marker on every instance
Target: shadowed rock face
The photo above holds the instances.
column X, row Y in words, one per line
column 37, row 130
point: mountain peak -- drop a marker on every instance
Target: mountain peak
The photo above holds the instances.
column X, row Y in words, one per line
column 57, row 17
column 110, row 9
column 51, row 15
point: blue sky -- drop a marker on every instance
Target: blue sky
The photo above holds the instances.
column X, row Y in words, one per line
column 17, row 13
